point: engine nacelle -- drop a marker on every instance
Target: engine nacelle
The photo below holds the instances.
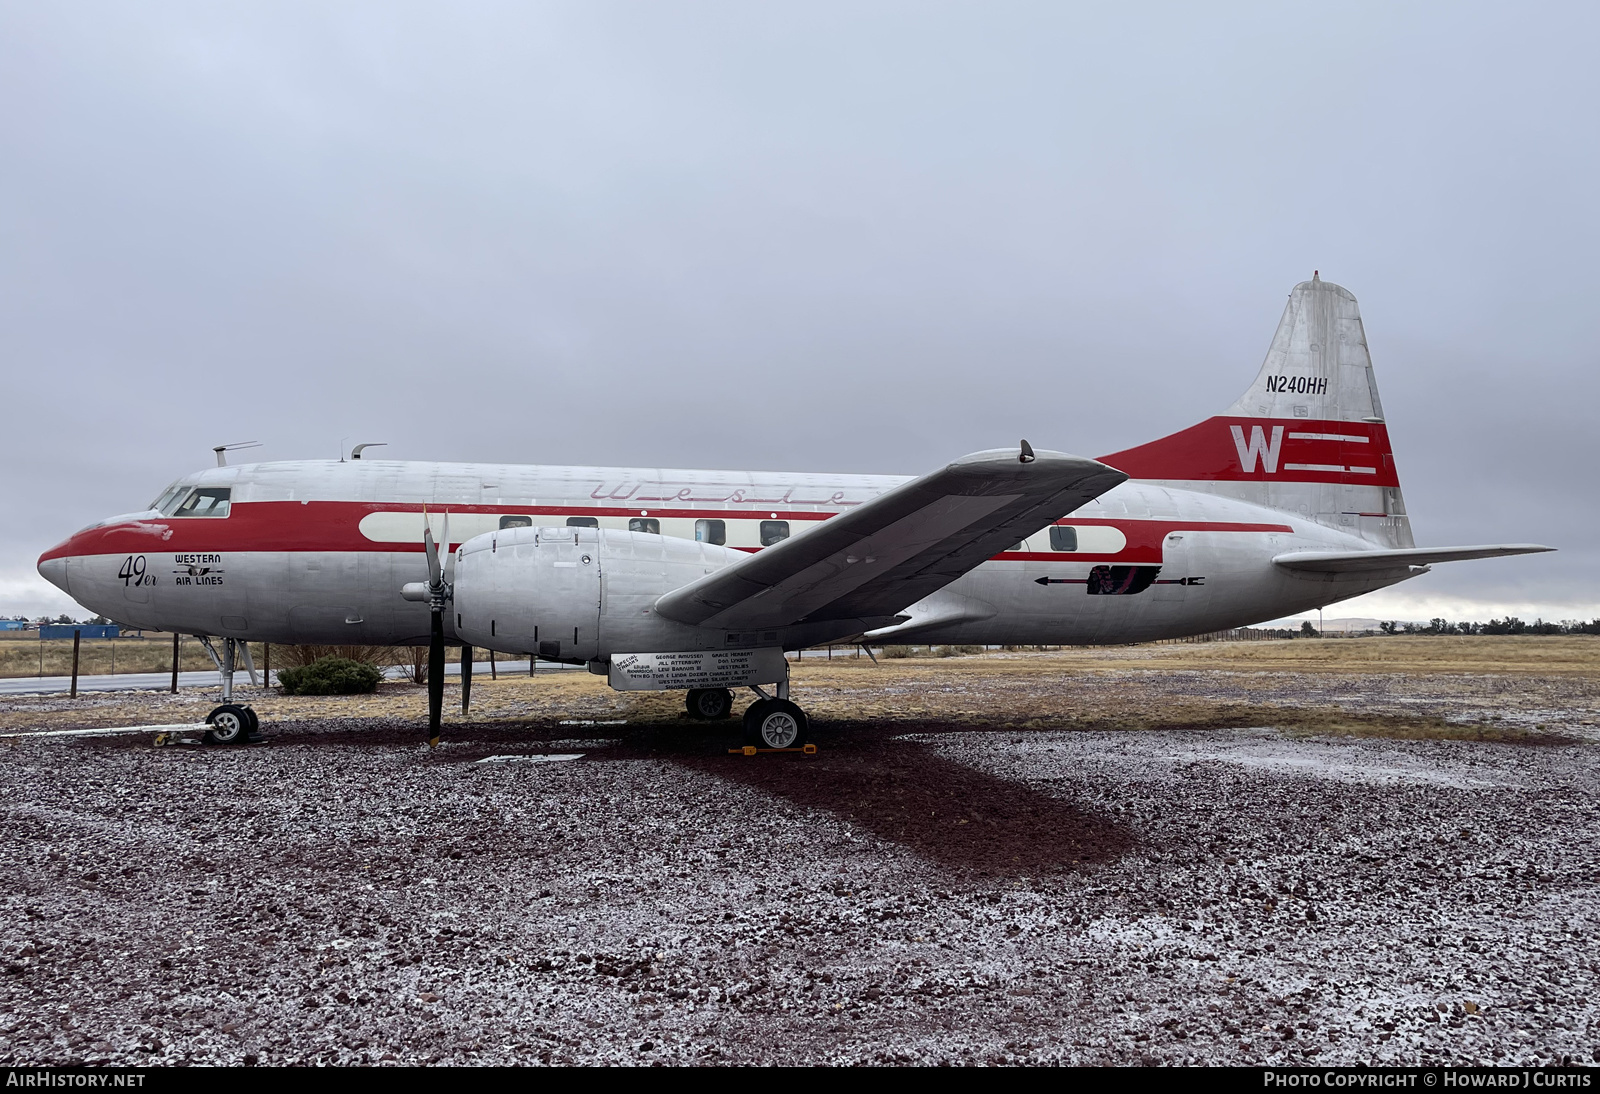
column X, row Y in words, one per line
column 579, row 594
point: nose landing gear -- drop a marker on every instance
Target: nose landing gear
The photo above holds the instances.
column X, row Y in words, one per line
column 231, row 723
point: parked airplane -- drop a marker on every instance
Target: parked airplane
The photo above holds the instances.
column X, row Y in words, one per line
column 700, row 580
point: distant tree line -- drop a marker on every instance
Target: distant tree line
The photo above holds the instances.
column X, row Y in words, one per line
column 1509, row 625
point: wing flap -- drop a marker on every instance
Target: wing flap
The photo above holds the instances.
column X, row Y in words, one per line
column 1352, row 562
column 896, row 549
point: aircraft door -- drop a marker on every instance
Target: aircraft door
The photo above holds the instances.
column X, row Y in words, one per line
column 1174, row 568
column 1182, row 580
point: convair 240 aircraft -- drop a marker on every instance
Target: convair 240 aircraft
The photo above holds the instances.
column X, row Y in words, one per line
column 700, row 580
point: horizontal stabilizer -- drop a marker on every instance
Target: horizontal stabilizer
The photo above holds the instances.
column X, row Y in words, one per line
column 876, row 560
column 1351, row 562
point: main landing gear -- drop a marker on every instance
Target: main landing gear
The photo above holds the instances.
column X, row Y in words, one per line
column 775, row 722
column 772, row 721
column 709, row 704
column 231, row 723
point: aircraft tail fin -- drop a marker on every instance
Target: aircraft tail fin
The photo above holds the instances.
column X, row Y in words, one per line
column 1307, row 437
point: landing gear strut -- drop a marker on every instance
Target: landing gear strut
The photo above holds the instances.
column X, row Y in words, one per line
column 231, row 723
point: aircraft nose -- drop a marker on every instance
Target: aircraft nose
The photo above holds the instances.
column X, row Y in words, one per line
column 54, row 570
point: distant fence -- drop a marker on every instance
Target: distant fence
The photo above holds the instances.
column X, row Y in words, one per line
column 1237, row 634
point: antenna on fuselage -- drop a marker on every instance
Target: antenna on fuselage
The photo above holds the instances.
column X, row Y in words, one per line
column 222, row 450
column 355, row 453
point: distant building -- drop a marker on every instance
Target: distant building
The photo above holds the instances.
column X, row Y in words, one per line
column 88, row 630
column 13, row 624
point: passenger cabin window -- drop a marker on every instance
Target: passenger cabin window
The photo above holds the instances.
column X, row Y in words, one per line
column 516, row 520
column 207, row 501
column 1063, row 538
column 583, row 522
column 774, row 531
column 644, row 524
column 711, row 531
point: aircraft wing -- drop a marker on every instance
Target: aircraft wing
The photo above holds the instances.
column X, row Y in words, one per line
column 1350, row 562
column 896, row 549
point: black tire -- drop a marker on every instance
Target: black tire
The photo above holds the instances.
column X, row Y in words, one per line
column 751, row 713
column 709, row 704
column 255, row 721
column 775, row 723
column 230, row 725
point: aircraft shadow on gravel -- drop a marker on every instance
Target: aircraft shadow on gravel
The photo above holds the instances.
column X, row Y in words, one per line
column 868, row 776
column 905, row 792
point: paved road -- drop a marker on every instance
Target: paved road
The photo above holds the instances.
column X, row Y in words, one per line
column 161, row 681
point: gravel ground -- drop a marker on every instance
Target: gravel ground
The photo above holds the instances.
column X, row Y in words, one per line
column 927, row 888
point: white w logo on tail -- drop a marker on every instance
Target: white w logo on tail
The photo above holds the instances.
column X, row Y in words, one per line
column 1258, row 446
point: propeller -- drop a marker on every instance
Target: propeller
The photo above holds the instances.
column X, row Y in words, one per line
column 440, row 579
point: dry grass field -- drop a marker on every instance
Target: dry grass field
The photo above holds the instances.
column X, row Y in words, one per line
column 25, row 654
column 1490, row 688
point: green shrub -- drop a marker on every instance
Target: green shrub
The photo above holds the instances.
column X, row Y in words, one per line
column 897, row 651
column 330, row 676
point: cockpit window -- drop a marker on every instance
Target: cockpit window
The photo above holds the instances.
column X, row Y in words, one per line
column 169, row 499
column 205, row 501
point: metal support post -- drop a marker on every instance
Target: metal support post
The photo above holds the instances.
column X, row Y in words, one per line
column 77, row 636
column 176, row 638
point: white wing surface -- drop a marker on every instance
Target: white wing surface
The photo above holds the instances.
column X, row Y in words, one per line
column 874, row 561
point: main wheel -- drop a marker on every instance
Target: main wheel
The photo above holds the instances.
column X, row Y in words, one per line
column 230, row 725
column 774, row 723
column 709, row 704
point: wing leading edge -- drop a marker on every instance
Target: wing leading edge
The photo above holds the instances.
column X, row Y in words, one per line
column 1351, row 562
column 875, row 560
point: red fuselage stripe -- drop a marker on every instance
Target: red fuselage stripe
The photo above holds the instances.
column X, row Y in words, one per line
column 334, row 526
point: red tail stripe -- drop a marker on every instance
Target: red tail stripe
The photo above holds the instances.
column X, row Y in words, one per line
column 1266, row 450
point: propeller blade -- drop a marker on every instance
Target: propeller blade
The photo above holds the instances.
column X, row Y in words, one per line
column 466, row 678
column 435, row 679
column 431, row 549
column 449, row 555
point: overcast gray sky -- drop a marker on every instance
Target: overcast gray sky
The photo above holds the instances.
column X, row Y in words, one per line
column 854, row 237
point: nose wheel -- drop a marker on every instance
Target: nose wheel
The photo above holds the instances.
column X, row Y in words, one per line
column 775, row 723
column 231, row 724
